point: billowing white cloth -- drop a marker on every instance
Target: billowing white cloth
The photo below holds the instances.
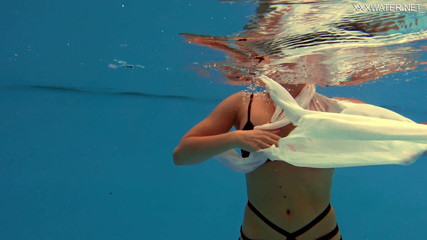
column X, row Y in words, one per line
column 336, row 134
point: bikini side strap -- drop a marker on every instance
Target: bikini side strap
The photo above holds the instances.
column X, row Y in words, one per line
column 249, row 107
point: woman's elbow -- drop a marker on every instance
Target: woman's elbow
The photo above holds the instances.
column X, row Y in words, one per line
column 177, row 158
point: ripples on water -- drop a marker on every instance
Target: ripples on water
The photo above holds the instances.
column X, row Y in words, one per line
column 321, row 42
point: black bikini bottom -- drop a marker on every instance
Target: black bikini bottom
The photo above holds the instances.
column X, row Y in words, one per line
column 293, row 235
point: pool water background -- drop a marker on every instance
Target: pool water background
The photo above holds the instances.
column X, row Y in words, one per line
column 86, row 148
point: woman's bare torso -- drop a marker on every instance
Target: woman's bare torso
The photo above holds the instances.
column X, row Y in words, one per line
column 288, row 196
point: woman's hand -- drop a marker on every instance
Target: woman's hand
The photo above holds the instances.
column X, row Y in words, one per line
column 254, row 140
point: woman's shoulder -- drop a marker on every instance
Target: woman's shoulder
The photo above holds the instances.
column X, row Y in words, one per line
column 240, row 97
column 232, row 103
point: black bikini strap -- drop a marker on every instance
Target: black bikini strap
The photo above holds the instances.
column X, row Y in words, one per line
column 249, row 107
column 314, row 221
column 330, row 235
column 269, row 223
column 290, row 236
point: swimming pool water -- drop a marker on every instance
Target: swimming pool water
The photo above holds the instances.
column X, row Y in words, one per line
column 86, row 148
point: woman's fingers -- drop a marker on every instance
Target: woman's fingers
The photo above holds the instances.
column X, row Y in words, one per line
column 275, row 135
column 254, row 140
column 268, row 139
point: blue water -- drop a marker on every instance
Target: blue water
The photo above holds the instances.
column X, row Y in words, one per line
column 86, row 148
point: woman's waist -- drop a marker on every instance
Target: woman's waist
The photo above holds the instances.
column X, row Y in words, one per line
column 310, row 222
column 273, row 184
column 289, row 201
column 289, row 196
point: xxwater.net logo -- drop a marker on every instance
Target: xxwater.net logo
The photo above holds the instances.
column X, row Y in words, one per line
column 395, row 7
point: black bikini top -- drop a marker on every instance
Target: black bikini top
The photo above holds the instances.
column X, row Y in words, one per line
column 248, row 125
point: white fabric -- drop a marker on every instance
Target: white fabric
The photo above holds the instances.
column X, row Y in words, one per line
column 336, row 134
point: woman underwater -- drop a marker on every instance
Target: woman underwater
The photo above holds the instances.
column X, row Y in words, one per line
column 283, row 200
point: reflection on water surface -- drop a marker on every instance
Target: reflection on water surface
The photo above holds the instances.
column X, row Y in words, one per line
column 321, row 42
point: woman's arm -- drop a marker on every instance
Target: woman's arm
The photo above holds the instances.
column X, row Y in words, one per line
column 211, row 136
